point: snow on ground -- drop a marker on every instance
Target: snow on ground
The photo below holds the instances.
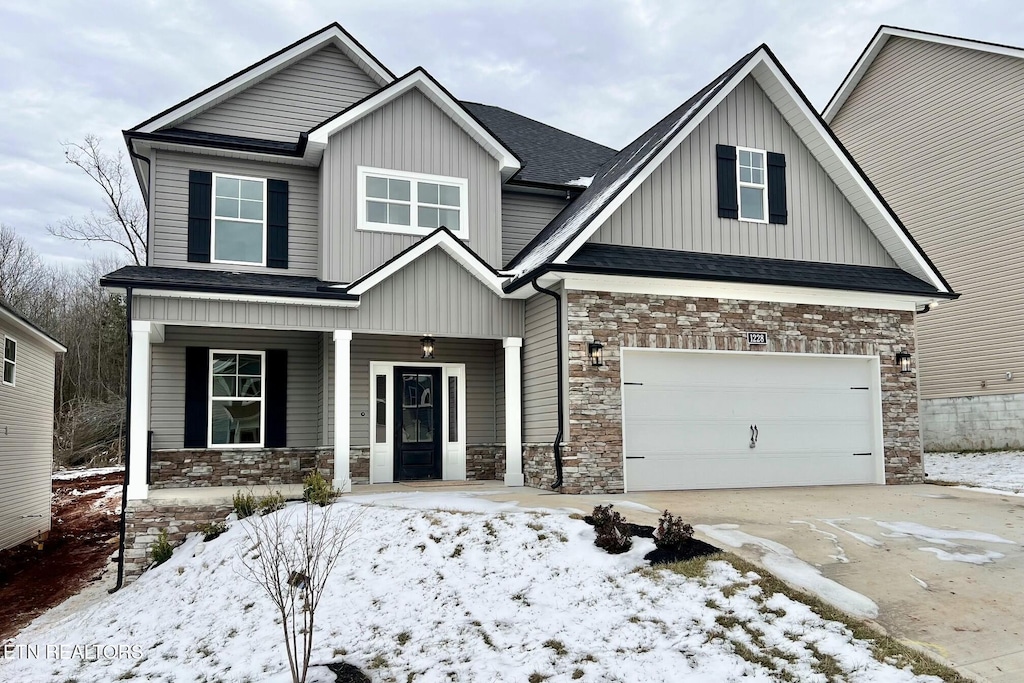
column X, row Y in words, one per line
column 1003, row 471
column 63, row 475
column 495, row 594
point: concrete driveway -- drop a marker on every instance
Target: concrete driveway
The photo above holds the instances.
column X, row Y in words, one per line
column 934, row 559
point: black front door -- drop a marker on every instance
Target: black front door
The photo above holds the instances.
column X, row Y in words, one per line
column 417, row 423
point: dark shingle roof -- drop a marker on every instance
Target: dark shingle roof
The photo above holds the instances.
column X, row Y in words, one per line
column 219, row 281
column 614, row 175
column 550, row 156
column 220, row 141
column 11, row 311
column 647, row 262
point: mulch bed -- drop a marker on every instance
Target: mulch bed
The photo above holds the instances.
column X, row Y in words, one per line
column 689, row 550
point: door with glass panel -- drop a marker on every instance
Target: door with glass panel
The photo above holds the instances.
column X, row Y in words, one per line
column 418, row 424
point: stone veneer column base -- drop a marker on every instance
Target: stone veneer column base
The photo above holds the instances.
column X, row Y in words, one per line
column 145, row 520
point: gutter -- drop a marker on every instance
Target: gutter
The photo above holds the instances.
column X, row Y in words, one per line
column 128, row 440
column 560, row 391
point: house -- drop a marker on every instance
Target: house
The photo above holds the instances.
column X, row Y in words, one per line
column 28, row 358
column 357, row 271
column 966, row 98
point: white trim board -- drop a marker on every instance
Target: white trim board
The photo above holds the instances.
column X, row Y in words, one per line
column 244, row 298
column 784, row 95
column 878, row 42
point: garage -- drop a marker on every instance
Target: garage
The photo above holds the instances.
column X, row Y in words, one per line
column 707, row 419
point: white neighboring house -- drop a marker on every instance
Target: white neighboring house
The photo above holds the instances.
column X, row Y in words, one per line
column 26, row 427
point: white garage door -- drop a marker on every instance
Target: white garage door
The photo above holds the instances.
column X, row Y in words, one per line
column 690, row 419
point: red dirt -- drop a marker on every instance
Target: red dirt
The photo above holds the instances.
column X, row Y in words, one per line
column 82, row 538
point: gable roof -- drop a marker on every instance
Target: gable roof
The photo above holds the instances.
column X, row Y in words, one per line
column 878, row 41
column 550, row 156
column 420, row 80
column 569, row 230
column 11, row 316
column 332, row 34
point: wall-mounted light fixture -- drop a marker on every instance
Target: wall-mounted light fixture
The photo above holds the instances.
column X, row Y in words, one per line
column 903, row 361
column 596, row 351
column 427, row 343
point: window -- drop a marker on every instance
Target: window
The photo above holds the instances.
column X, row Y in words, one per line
column 453, row 409
column 381, row 419
column 411, row 203
column 239, row 220
column 10, row 360
column 753, row 184
column 236, row 398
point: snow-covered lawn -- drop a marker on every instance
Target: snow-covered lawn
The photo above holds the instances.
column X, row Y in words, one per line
column 492, row 594
column 64, row 475
column 1003, row 471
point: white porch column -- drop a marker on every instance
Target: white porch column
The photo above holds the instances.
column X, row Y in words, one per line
column 144, row 334
column 342, row 413
column 513, row 412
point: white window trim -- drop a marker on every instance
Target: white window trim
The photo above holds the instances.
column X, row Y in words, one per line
column 413, row 178
column 213, row 220
column 4, row 361
column 740, row 185
column 262, row 400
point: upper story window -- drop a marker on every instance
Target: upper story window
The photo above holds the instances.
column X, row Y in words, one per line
column 239, row 220
column 10, row 360
column 236, row 398
column 753, row 184
column 412, row 203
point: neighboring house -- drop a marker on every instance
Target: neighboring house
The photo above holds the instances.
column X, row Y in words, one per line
column 358, row 272
column 937, row 123
column 28, row 360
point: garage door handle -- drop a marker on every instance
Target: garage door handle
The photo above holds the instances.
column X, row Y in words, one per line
column 753, row 436
column 634, row 384
column 635, row 457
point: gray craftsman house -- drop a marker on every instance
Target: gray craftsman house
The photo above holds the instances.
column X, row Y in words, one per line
column 27, row 367
column 359, row 272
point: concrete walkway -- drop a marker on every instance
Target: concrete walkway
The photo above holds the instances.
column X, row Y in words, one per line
column 925, row 579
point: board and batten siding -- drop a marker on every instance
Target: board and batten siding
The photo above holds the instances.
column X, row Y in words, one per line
column 939, row 130
column 434, row 294
column 484, row 422
column 408, row 134
column 167, row 392
column 26, row 441
column 291, row 101
column 523, row 215
column 540, row 372
column 170, row 211
column 677, row 206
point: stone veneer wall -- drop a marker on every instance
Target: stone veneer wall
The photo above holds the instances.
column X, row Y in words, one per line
column 592, row 461
column 144, row 521
column 539, row 465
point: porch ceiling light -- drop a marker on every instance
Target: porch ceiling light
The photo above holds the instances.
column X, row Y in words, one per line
column 903, row 361
column 427, row 343
column 596, row 351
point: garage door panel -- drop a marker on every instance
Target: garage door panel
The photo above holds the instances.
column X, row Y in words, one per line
column 687, row 419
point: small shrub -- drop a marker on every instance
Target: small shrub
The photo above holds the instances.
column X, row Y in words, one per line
column 317, row 490
column 611, row 529
column 212, row 530
column 270, row 503
column 672, row 532
column 245, row 504
column 161, row 549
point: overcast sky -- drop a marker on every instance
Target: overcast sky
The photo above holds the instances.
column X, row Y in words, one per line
column 601, row 69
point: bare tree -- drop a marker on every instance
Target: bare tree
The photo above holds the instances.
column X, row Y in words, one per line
column 123, row 220
column 292, row 554
column 22, row 274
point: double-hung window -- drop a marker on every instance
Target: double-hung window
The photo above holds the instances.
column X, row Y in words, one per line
column 239, row 220
column 412, row 203
column 753, row 185
column 10, row 360
column 236, row 398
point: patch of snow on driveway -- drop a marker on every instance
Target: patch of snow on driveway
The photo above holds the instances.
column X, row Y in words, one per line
column 1003, row 471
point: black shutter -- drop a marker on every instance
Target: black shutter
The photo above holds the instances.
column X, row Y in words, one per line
column 200, row 204
column 277, row 223
column 197, row 396
column 777, row 212
column 728, row 201
column 275, row 398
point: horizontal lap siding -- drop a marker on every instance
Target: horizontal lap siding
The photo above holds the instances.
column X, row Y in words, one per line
column 291, row 101
column 170, row 211
column 540, row 372
column 524, row 215
column 939, row 130
column 408, row 134
column 26, row 447
column 167, row 397
column 483, row 419
column 677, row 206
